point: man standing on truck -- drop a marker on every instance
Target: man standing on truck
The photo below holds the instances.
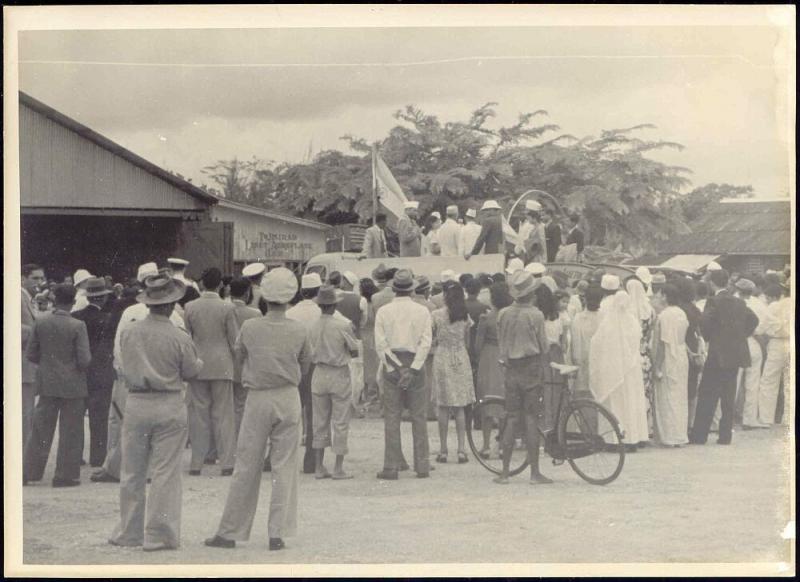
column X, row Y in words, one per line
column 449, row 233
column 375, row 239
column 409, row 231
column 491, row 239
column 469, row 233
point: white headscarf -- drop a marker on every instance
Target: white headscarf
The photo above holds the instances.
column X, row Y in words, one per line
column 640, row 303
column 614, row 352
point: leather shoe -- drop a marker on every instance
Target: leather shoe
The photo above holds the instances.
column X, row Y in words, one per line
column 423, row 474
column 103, row 477
column 226, row 472
column 388, row 475
column 220, row 542
column 194, row 472
column 66, row 482
column 276, row 544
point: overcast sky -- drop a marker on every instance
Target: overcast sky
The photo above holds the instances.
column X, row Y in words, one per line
column 712, row 89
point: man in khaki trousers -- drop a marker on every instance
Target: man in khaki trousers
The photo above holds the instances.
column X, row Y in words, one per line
column 157, row 358
column 212, row 324
column 274, row 353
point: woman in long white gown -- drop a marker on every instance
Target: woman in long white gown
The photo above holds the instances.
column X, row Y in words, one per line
column 671, row 372
column 615, row 366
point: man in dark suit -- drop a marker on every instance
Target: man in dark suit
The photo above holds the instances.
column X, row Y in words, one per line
column 491, row 239
column 60, row 345
column 575, row 237
column 552, row 234
column 375, row 238
column 727, row 323
column 98, row 317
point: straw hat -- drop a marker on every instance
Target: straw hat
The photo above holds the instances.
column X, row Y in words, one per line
column 81, row 276
column 146, row 270
column 96, row 287
column 521, row 284
column 328, row 295
column 161, row 289
column 403, row 280
column 422, row 284
column 379, row 273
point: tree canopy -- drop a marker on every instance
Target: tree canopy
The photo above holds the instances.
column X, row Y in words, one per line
column 626, row 197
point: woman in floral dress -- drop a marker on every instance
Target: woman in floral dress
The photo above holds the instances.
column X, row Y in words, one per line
column 452, row 373
column 643, row 311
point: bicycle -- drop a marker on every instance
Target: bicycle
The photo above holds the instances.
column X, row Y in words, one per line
column 585, row 434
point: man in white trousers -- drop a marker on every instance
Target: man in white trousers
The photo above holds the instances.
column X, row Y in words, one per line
column 750, row 378
column 777, row 361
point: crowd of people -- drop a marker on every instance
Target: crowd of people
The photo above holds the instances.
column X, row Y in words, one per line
column 250, row 369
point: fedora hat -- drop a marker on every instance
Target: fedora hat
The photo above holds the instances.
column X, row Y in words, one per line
column 379, row 273
column 423, row 284
column 491, row 205
column 96, row 287
column 161, row 289
column 403, row 280
column 328, row 295
column 522, row 283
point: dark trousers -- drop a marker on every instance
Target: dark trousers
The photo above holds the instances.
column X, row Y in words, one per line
column 68, row 413
column 413, row 398
column 309, row 461
column 717, row 385
column 98, row 403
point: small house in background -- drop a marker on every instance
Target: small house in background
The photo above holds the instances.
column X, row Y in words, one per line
column 742, row 235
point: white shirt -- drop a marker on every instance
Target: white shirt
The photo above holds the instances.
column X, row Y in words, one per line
column 778, row 315
column 81, row 301
column 188, row 282
column 308, row 312
column 137, row 313
column 524, row 232
column 449, row 235
column 467, row 237
column 760, row 309
column 404, row 325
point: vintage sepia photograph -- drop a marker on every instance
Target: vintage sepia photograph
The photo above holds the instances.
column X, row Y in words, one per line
column 391, row 290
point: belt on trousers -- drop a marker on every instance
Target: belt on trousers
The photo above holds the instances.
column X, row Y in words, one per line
column 141, row 390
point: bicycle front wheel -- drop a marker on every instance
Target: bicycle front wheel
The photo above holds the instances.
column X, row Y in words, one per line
column 486, row 442
column 592, row 442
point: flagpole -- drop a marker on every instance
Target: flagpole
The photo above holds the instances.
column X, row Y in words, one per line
column 374, row 183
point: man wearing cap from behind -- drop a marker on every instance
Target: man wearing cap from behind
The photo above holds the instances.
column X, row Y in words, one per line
column 157, row 360
column 449, row 233
column 254, row 273
column 470, row 232
column 409, row 232
column 178, row 267
column 274, row 352
column 403, row 335
column 491, row 239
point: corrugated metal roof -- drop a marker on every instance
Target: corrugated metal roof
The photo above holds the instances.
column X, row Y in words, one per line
column 115, row 148
column 744, row 228
column 270, row 213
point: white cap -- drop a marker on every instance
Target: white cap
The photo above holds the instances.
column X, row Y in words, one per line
column 448, row 275
column 411, row 204
column 174, row 261
column 610, row 282
column 644, row 275
column 436, row 214
column 310, row 281
column 491, row 205
column 452, row 209
column 550, row 283
column 713, row 266
column 536, row 269
column 253, row 269
column 279, row 285
column 471, row 212
column 82, row 275
column 533, row 205
column 351, row 278
column 146, row 270
column 514, row 265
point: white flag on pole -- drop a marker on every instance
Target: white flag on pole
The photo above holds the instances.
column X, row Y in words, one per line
column 390, row 194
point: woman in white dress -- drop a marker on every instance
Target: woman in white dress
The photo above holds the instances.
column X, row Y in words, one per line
column 671, row 372
column 615, row 364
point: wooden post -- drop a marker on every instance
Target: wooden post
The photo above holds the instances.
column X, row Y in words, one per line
column 374, row 182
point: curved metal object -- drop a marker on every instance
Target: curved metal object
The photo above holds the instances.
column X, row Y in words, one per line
column 527, row 193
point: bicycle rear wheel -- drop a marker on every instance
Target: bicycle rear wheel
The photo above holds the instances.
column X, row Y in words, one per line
column 592, row 442
column 491, row 411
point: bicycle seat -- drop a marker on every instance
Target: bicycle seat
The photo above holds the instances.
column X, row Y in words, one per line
column 564, row 369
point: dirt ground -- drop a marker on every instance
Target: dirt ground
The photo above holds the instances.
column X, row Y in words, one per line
column 697, row 504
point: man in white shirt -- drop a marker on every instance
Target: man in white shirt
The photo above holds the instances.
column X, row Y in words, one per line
column 178, row 267
column 109, row 472
column 749, row 378
column 403, row 337
column 532, row 241
column 450, row 233
column 469, row 233
column 776, row 366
